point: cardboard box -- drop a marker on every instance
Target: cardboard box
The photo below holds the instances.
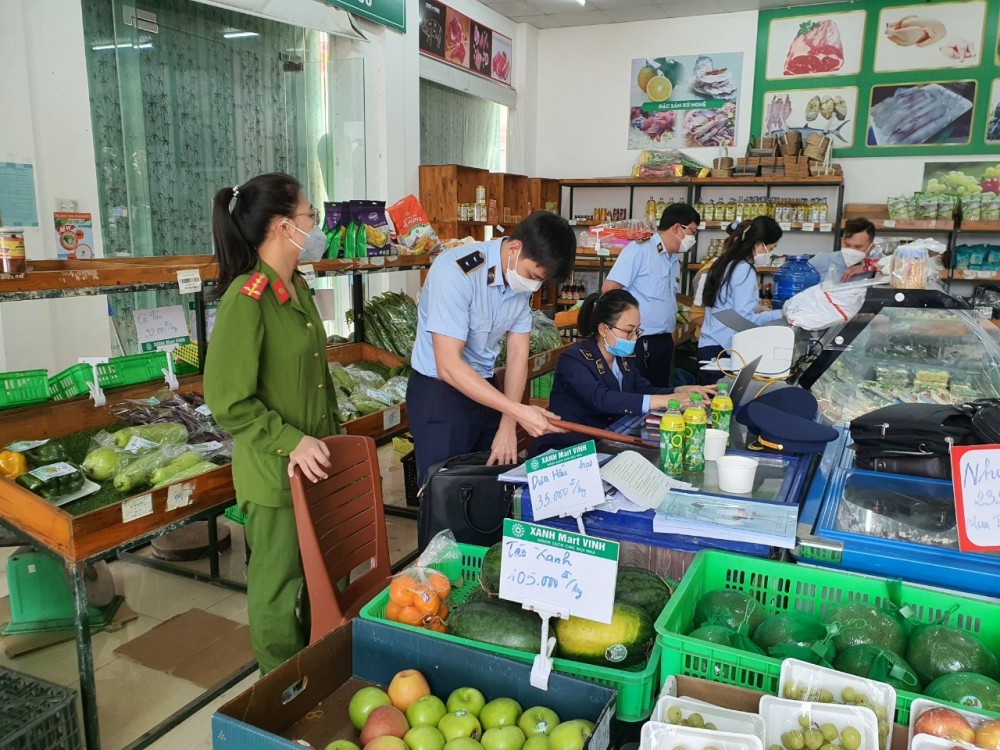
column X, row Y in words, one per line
column 742, row 699
column 306, row 698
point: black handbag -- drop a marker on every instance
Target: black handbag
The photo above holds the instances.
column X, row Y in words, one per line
column 935, row 466
column 912, row 430
column 463, row 494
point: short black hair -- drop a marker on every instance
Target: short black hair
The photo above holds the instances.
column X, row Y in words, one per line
column 858, row 225
column 678, row 213
column 548, row 240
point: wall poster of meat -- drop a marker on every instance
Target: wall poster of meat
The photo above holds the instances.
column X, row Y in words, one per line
column 456, row 38
column 819, row 45
column 689, row 101
column 451, row 36
column 993, row 114
column 921, row 113
column 928, row 37
column 432, row 16
column 829, row 112
column 500, row 62
column 482, row 44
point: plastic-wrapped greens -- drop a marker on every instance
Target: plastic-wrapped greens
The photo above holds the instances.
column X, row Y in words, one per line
column 396, row 388
column 544, row 337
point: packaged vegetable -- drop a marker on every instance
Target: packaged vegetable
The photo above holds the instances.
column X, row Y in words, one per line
column 544, row 337
column 139, row 473
column 163, row 432
column 421, row 594
column 396, row 388
column 364, row 378
column 187, row 409
column 12, row 464
column 729, row 607
column 53, row 480
column 336, row 216
column 44, row 454
column 795, row 633
column 413, row 229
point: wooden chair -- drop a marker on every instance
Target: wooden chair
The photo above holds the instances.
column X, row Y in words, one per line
column 341, row 526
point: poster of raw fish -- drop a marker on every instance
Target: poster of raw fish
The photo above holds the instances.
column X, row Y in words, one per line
column 829, row 112
column 818, row 45
column 690, row 101
column 993, row 114
column 917, row 114
column 927, row 37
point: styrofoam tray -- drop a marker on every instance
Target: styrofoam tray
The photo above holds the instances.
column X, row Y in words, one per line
column 657, row 736
column 724, row 719
column 930, row 742
column 802, row 674
column 781, row 715
column 89, row 488
column 922, row 704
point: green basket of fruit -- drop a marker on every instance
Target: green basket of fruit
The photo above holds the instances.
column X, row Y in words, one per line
column 739, row 607
column 506, row 623
column 23, row 387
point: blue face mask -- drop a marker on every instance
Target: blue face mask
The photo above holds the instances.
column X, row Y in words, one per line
column 621, row 347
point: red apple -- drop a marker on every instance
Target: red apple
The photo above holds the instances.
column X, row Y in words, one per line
column 384, row 721
column 943, row 722
column 988, row 735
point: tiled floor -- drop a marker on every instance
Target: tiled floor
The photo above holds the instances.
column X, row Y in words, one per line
column 133, row 699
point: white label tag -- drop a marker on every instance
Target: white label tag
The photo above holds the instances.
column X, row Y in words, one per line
column 189, row 282
column 785, row 225
column 136, row 444
column 827, row 227
column 204, row 410
column 889, row 223
column 25, row 445
column 391, row 417
column 206, row 448
column 52, row 471
column 566, row 482
column 308, row 274
column 179, row 495
column 137, row 507
column 702, row 225
column 603, row 252
column 808, row 227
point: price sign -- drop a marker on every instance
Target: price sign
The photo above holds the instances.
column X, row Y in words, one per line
column 160, row 326
column 179, row 495
column 602, row 251
column 826, row 227
column 308, row 274
column 137, row 507
column 391, row 417
column 189, row 282
column 702, row 225
column 566, row 482
column 808, row 227
column 560, row 570
column 975, row 475
column 889, row 223
column 785, row 225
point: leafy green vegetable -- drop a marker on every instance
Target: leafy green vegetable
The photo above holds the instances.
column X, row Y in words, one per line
column 544, row 337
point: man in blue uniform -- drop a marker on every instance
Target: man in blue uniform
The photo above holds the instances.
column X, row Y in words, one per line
column 474, row 296
column 857, row 244
column 651, row 272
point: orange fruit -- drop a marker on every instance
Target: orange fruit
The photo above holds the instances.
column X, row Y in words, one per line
column 439, row 584
column 442, row 613
column 427, row 602
column 411, row 616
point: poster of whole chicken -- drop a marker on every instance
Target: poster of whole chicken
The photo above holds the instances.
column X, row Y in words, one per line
column 445, row 34
column 927, row 37
column 689, row 101
column 817, row 45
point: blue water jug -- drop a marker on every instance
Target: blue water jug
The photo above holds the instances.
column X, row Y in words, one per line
column 795, row 275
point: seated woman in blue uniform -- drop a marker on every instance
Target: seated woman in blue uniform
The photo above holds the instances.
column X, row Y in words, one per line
column 597, row 380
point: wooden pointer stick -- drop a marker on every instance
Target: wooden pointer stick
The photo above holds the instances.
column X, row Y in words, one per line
column 600, row 434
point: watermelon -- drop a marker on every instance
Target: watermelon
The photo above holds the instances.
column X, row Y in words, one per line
column 877, row 663
column 878, row 627
column 789, row 628
column 967, row 689
column 625, row 642
column 489, row 575
column 729, row 607
column 643, row 589
column 499, row 623
column 939, row 649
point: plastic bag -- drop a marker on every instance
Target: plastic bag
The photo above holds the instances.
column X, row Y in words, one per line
column 936, row 649
column 877, row 663
column 967, row 689
column 725, row 636
column 373, row 231
column 800, row 635
column 885, row 628
column 364, row 378
column 413, row 229
column 729, row 607
column 421, row 594
column 544, row 337
column 815, row 308
column 396, row 388
column 186, row 409
column 171, row 458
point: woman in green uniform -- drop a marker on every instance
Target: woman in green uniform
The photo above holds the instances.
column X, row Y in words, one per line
column 267, row 383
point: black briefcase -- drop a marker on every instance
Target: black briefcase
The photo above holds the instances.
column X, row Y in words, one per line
column 463, row 494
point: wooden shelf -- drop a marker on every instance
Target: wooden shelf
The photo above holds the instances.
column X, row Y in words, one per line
column 964, row 274
column 979, row 226
column 719, row 181
column 912, row 225
column 797, row 226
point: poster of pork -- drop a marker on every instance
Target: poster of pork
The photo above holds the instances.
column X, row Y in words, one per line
column 927, row 37
column 819, row 45
column 446, row 34
column 689, row 101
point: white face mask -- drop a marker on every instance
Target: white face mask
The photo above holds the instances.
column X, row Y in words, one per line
column 517, row 283
column 314, row 246
column 688, row 242
column 760, row 259
column 852, row 256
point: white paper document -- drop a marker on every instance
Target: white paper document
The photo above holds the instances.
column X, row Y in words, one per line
column 639, row 480
column 731, row 519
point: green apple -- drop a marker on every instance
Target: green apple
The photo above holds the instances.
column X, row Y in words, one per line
column 466, row 699
column 503, row 738
column 342, row 745
column 365, row 701
column 463, row 743
column 570, row 735
column 538, row 720
column 501, row 712
column 426, row 711
column 537, row 742
column 460, row 724
column 424, row 738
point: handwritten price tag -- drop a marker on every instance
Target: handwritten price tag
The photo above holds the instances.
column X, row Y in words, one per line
column 189, row 282
column 889, row 223
column 558, row 569
column 308, row 274
column 975, row 475
column 565, row 483
column 160, row 325
column 603, row 252
column 826, row 227
column 785, row 225
column 137, row 507
column 179, row 495
column 391, row 417
column 808, row 227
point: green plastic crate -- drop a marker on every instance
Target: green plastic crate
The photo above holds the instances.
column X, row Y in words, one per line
column 23, row 387
column 637, row 690
column 71, row 382
column 786, row 586
column 233, row 513
column 131, row 369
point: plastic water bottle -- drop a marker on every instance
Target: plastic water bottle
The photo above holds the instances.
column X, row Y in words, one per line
column 794, row 275
column 672, row 440
column 722, row 409
column 695, row 423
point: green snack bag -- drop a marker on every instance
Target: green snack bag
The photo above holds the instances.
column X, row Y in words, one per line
column 350, row 240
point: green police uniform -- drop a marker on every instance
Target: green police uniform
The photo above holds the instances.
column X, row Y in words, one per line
column 267, row 383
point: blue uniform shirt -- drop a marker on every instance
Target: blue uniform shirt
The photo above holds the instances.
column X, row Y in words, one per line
column 823, row 262
column 741, row 295
column 465, row 297
column 652, row 275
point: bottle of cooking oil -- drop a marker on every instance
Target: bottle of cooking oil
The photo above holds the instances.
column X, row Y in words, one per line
column 661, row 206
column 651, row 210
column 730, row 210
column 824, row 211
column 709, row 214
column 741, row 208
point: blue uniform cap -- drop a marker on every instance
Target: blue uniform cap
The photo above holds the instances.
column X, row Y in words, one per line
column 784, row 421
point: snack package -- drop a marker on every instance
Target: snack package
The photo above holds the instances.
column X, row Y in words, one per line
column 972, row 207
column 334, row 227
column 421, row 594
column 413, row 228
column 373, row 230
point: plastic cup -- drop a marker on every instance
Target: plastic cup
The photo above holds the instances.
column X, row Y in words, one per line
column 736, row 474
column 715, row 444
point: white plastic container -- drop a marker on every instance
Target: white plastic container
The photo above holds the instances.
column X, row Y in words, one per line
column 724, row 719
column 657, row 736
column 920, row 705
column 736, row 474
column 813, row 678
column 715, row 444
column 781, row 715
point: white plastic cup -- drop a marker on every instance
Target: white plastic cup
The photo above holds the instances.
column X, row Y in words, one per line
column 715, row 444
column 736, row 474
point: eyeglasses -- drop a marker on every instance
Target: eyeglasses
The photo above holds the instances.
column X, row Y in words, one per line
column 313, row 212
column 633, row 334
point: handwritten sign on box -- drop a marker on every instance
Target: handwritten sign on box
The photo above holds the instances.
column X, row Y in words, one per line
column 566, row 482
column 160, row 325
column 975, row 476
column 558, row 569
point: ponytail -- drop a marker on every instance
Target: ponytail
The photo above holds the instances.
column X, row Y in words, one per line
column 739, row 246
column 603, row 308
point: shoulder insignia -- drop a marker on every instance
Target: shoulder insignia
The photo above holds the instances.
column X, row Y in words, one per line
column 600, row 367
column 280, row 291
column 624, row 364
column 659, row 247
column 491, row 275
column 472, row 261
column 587, row 355
column 255, row 286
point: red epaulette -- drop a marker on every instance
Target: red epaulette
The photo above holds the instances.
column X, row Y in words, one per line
column 255, row 286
